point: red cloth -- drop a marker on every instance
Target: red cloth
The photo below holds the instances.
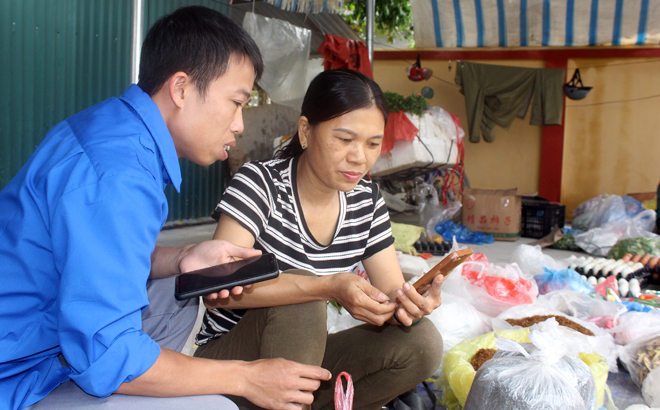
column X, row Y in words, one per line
column 398, row 128
column 339, row 52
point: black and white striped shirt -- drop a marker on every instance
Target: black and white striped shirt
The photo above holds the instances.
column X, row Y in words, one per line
column 263, row 198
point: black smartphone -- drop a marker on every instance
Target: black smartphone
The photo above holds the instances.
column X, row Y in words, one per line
column 226, row 276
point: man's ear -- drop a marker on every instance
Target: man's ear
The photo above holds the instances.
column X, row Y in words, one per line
column 178, row 86
column 303, row 130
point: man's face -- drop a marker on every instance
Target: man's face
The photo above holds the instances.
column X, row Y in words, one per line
column 205, row 126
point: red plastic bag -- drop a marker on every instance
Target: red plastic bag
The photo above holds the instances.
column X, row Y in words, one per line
column 503, row 282
column 344, row 401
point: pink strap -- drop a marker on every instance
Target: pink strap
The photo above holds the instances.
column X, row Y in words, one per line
column 344, row 401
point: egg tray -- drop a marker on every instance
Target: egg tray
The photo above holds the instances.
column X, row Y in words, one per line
column 432, row 247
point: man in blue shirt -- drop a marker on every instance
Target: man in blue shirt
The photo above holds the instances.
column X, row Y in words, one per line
column 78, row 231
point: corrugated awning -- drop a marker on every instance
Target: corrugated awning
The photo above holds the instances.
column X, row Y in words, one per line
column 320, row 23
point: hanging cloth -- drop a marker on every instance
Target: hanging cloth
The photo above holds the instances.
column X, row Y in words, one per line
column 339, row 52
column 496, row 95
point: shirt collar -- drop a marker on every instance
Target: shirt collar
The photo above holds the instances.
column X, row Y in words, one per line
column 148, row 111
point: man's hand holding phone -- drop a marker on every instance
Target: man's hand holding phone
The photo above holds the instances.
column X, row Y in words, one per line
column 215, row 252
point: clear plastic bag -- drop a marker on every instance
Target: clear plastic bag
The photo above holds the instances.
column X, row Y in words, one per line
column 456, row 320
column 532, row 260
column 458, row 374
column 641, row 357
column 604, row 209
column 634, row 326
column 599, row 241
column 545, row 374
column 491, row 288
column 442, row 214
column 601, row 342
column 553, row 280
column 285, row 52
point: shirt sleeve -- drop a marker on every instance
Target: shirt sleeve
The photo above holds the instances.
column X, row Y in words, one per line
column 103, row 235
column 248, row 198
column 380, row 234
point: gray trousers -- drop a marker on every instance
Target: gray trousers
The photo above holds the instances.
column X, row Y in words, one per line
column 169, row 322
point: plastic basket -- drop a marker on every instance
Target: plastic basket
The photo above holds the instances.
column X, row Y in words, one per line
column 539, row 216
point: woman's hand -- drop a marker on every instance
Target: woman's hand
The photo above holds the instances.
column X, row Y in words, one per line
column 413, row 306
column 362, row 300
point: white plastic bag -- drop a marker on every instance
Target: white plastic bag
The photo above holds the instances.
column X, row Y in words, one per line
column 603, row 210
column 651, row 388
column 599, row 241
column 532, row 260
column 340, row 320
column 285, row 52
column 442, row 213
column 456, row 320
column 635, row 326
column 601, row 342
column 546, row 374
column 444, row 120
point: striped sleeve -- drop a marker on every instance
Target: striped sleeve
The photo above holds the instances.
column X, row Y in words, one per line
column 380, row 234
column 248, row 198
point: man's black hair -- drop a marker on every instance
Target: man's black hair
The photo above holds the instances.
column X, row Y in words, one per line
column 197, row 41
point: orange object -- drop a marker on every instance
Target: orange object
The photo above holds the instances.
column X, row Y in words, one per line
column 425, row 255
column 645, row 259
column 653, row 262
column 627, row 257
column 636, row 258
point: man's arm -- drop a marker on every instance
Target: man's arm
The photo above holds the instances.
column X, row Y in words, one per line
column 272, row 384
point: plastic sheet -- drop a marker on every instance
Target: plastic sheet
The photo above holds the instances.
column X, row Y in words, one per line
column 635, row 326
column 285, row 51
column 532, row 260
column 543, row 374
column 449, row 229
column 553, row 280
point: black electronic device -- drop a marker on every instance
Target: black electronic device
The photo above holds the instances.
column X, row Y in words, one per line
column 243, row 272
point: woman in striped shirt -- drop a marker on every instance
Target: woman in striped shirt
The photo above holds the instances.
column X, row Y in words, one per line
column 312, row 208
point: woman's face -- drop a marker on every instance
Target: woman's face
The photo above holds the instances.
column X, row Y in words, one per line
column 341, row 151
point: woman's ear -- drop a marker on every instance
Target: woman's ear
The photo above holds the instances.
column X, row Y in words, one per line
column 303, row 130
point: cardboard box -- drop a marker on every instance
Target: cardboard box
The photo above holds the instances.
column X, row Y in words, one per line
column 494, row 212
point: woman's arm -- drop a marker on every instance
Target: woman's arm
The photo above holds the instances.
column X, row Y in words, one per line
column 385, row 274
column 363, row 300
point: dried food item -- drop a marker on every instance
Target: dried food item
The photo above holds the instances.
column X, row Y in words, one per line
column 481, row 356
column 531, row 320
column 647, row 358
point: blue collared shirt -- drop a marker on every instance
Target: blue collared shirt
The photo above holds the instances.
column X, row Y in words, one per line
column 78, row 225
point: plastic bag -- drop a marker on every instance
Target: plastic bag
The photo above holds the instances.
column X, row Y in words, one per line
column 641, row 357
column 449, row 229
column 428, row 203
column 344, row 401
column 651, row 388
column 340, row 319
column 444, row 120
column 456, row 320
column 457, row 373
column 641, row 245
column 285, row 52
column 544, row 374
column 532, row 260
column 562, row 279
column 604, row 209
column 443, row 213
column 575, row 306
column 635, row 326
column 599, row 241
column 491, row 288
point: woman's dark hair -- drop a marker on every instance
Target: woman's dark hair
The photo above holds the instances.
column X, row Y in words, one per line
column 334, row 93
column 198, row 41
